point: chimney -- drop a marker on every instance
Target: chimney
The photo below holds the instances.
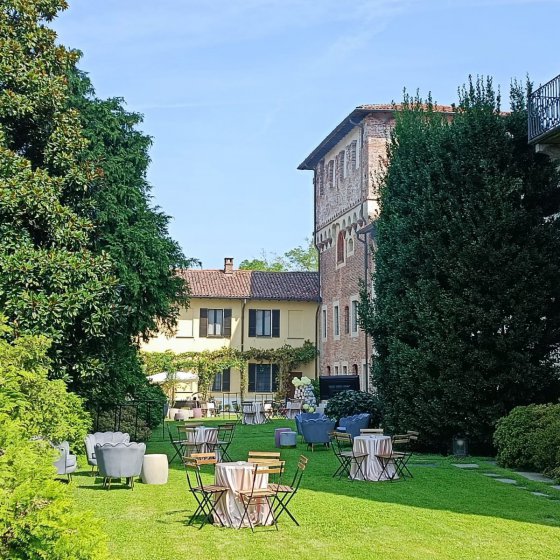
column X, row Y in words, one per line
column 228, row 265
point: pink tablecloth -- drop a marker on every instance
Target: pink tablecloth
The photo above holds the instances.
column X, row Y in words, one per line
column 372, row 467
column 239, row 476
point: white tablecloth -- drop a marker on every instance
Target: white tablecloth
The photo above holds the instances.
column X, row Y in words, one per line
column 204, row 440
column 239, row 476
column 253, row 414
column 372, row 467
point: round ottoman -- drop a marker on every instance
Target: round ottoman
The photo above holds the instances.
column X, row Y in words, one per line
column 197, row 412
column 277, row 433
column 288, row 439
column 154, row 469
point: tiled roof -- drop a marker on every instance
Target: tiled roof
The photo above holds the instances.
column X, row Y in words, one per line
column 299, row 286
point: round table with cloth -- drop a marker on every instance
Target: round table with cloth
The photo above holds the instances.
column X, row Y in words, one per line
column 238, row 476
column 372, row 467
column 205, row 440
column 253, row 413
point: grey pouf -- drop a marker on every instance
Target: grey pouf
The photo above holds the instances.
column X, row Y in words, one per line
column 288, row 439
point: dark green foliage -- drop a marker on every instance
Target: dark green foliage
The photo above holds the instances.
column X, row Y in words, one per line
column 467, row 306
column 529, row 438
column 348, row 403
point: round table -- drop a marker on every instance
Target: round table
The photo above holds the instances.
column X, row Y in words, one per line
column 253, row 414
column 237, row 476
column 155, row 469
column 372, row 467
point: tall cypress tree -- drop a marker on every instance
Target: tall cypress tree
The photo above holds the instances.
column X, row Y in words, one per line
column 466, row 315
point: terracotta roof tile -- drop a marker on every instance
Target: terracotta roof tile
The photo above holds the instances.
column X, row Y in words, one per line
column 299, row 286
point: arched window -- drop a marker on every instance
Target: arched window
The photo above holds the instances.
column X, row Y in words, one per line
column 340, row 247
column 328, row 370
column 355, row 369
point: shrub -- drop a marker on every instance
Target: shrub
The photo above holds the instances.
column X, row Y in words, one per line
column 529, row 438
column 38, row 518
column 347, row 403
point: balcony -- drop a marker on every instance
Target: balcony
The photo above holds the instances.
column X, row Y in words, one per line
column 544, row 114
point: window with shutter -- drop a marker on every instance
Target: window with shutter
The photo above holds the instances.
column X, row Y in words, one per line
column 263, row 378
column 215, row 323
column 264, row 322
column 222, row 381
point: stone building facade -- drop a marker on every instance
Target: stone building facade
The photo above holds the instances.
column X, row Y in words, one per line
column 346, row 168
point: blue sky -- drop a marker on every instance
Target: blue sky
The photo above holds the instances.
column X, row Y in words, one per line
column 236, row 93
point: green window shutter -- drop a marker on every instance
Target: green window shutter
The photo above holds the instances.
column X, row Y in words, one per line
column 227, row 323
column 252, row 377
column 252, row 322
column 276, row 323
column 274, row 368
column 203, row 325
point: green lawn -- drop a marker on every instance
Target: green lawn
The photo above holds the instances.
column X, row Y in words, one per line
column 443, row 512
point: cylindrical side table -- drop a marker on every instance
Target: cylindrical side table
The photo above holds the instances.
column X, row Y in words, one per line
column 155, row 469
column 277, row 433
column 288, row 439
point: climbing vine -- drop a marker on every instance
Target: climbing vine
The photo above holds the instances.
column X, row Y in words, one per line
column 208, row 363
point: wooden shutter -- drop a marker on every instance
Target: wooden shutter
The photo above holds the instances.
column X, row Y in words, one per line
column 252, row 322
column 227, row 323
column 226, row 380
column 274, row 368
column 252, row 377
column 276, row 323
column 203, row 324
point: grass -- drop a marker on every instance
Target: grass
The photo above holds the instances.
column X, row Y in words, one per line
column 443, row 512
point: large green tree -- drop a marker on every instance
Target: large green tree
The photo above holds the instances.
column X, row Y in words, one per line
column 132, row 232
column 52, row 280
column 84, row 256
column 466, row 313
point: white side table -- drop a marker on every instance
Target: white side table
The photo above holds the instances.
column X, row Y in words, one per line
column 155, row 469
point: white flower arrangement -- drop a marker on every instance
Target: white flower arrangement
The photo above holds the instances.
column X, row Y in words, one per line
column 305, row 380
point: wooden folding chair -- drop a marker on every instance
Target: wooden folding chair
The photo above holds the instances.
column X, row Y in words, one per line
column 206, row 495
column 287, row 492
column 343, row 447
column 263, row 456
column 258, row 496
column 373, row 431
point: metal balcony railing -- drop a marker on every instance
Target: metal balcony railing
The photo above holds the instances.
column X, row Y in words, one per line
column 544, row 111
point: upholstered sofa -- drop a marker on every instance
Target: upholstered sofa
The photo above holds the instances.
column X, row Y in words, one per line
column 353, row 424
column 119, row 460
column 91, row 440
column 66, row 463
column 317, row 430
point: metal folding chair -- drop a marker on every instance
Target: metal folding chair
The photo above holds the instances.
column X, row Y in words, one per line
column 343, row 447
column 287, row 492
column 206, row 495
column 258, row 496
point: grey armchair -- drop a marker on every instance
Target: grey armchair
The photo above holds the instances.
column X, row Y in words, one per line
column 91, row 440
column 119, row 460
column 66, row 463
column 317, row 430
